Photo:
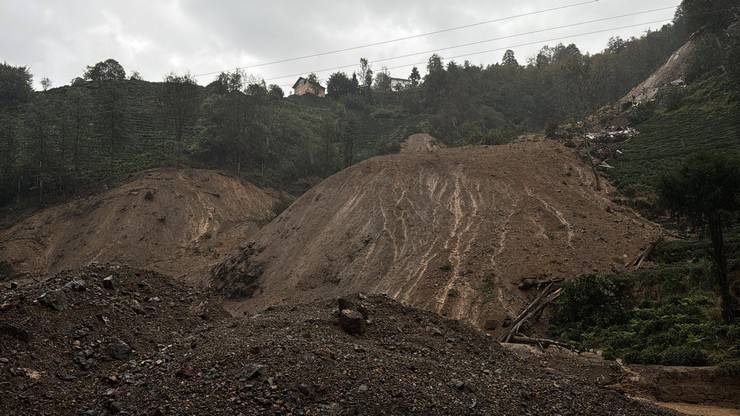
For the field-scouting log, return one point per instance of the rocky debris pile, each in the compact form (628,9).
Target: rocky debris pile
(612,135)
(149,347)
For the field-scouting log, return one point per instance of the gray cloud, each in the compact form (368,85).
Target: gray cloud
(58,39)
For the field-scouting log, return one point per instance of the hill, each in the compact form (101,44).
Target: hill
(174,221)
(454,231)
(141,344)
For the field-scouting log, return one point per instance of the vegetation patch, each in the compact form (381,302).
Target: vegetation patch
(668,315)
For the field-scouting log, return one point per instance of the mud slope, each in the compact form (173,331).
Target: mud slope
(452,231)
(177,222)
(674,69)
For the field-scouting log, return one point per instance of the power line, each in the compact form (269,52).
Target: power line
(471,54)
(603,19)
(385,42)
(459,56)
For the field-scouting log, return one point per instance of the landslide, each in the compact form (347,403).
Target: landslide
(454,231)
(175,221)
(130,342)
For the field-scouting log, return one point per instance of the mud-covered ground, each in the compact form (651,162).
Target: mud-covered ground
(136,343)
(452,231)
(176,221)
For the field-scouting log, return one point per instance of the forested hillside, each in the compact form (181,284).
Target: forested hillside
(105,125)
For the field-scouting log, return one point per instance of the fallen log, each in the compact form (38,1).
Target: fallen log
(514,324)
(637,262)
(541,342)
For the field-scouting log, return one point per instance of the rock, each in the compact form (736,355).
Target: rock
(25,372)
(363,388)
(83,360)
(435,331)
(250,372)
(109,282)
(14,285)
(118,350)
(15,331)
(136,306)
(458,384)
(352,322)
(54,299)
(185,371)
(344,303)
(4,360)
(75,284)
(527,284)
(490,325)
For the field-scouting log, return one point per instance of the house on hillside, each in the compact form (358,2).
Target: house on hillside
(305,86)
(399,83)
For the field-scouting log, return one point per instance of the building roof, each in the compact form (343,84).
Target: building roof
(315,84)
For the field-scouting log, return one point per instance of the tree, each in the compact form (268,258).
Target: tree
(383,81)
(509,58)
(415,77)
(274,92)
(733,56)
(712,15)
(15,86)
(78,113)
(366,76)
(339,85)
(706,190)
(135,76)
(45,83)
(108,70)
(179,100)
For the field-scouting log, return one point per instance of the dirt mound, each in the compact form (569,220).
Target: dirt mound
(453,231)
(137,343)
(420,142)
(178,222)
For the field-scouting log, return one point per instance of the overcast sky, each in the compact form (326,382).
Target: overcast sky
(57,39)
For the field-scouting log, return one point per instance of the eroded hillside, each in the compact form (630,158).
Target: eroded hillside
(177,222)
(454,231)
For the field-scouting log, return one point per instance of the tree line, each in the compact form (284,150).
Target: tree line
(108,123)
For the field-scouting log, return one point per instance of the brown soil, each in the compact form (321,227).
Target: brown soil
(452,231)
(178,222)
(183,356)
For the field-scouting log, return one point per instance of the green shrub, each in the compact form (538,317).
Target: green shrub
(670,97)
(665,315)
(641,112)
(591,301)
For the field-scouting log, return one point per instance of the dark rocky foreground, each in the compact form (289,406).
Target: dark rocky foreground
(112,340)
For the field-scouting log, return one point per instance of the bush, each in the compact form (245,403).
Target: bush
(666,315)
(591,301)
(707,56)
(670,97)
(641,112)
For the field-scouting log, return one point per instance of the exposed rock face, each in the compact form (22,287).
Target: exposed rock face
(453,231)
(177,222)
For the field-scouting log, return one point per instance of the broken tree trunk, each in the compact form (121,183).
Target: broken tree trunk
(637,262)
(546,297)
(542,342)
